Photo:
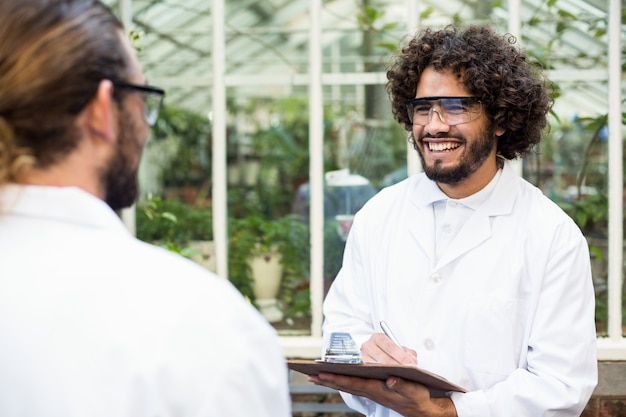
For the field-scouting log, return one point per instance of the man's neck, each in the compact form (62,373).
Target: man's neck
(476,182)
(62,175)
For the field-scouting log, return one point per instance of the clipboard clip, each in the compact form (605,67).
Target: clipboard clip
(342,349)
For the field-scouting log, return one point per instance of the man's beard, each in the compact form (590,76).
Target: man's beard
(120,178)
(476,153)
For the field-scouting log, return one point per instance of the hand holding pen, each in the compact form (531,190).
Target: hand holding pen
(379,349)
(389,333)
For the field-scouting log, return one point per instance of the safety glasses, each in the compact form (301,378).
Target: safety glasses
(451,110)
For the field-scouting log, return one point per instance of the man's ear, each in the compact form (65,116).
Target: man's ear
(98,114)
(499,131)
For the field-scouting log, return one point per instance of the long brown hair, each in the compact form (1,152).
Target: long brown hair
(53,54)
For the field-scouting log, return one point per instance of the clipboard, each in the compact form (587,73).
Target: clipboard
(437,385)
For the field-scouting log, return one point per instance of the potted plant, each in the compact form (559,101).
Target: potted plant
(268,259)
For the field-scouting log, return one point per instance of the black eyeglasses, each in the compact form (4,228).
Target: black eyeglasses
(152,99)
(451,110)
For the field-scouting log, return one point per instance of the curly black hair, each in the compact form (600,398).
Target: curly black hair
(514,92)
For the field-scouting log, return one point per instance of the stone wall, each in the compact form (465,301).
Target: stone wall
(609,397)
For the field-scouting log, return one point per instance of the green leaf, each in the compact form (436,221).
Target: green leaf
(534,21)
(373,14)
(595,123)
(135,37)
(389,26)
(426,12)
(566,14)
(597,252)
(388,45)
(582,218)
(169,216)
(189,252)
(556,116)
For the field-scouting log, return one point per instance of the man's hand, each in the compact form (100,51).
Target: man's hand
(407,398)
(410,399)
(381,349)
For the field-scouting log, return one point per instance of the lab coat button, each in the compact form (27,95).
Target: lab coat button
(429,344)
(436,277)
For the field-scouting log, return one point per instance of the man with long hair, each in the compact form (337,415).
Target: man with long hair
(94,322)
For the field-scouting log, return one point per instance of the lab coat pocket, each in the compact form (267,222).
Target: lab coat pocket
(495,329)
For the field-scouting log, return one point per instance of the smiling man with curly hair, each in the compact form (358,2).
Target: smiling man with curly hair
(480,275)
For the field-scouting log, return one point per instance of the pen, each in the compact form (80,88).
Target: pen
(388,332)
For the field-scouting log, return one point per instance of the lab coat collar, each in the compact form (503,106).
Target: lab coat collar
(425,192)
(69,205)
(475,231)
(502,198)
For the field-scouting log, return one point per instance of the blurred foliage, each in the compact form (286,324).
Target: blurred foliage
(190,136)
(255,236)
(172,222)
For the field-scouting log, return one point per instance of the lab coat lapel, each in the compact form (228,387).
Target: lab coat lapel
(473,233)
(478,227)
(422,222)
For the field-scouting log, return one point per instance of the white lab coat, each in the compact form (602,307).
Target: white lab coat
(95,323)
(507,312)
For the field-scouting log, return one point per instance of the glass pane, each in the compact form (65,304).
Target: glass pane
(571,168)
(174,209)
(268,162)
(266,38)
(174,47)
(368,148)
(367,155)
(572,165)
